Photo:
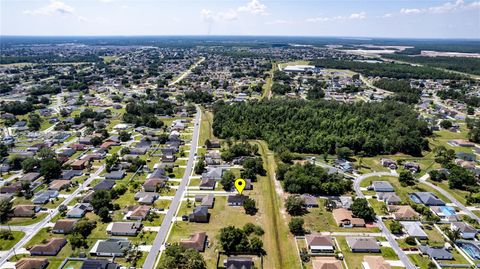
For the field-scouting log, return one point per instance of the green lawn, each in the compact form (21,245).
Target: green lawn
(321,220)
(354,260)
(26,221)
(420,261)
(8,244)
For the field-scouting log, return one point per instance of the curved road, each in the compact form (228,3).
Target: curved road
(445,193)
(35,228)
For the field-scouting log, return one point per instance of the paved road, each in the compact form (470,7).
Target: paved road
(34,228)
(171,213)
(445,193)
(391,240)
(184,75)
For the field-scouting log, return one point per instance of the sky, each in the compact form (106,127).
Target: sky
(352,18)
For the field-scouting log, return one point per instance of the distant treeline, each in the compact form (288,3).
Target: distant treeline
(401,88)
(323,126)
(391,70)
(461,64)
(48,58)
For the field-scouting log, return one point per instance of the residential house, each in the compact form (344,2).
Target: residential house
(213,173)
(236,200)
(382,186)
(146,198)
(59,184)
(64,226)
(196,241)
(466,231)
(137,212)
(375,262)
(207,184)
(105,184)
(390,198)
(414,229)
(363,244)
(326,263)
(79,210)
(205,200)
(112,247)
(426,198)
(30,177)
(99,264)
(412,167)
(124,228)
(404,212)
(32,263)
(239,263)
(199,214)
(436,253)
(25,211)
(69,174)
(115,175)
(51,248)
(344,218)
(388,163)
(318,243)
(13,188)
(309,201)
(153,184)
(42,197)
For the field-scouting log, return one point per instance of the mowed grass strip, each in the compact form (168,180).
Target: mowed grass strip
(279,243)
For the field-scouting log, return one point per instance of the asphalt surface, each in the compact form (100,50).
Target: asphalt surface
(171,213)
(32,230)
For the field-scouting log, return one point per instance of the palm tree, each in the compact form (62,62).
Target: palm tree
(453,235)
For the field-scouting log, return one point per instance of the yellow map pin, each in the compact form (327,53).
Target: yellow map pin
(240,185)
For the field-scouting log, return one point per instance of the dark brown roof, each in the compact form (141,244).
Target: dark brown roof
(65,224)
(54,245)
(31,263)
(195,241)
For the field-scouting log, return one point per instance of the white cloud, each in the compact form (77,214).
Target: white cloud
(55,7)
(254,7)
(387,15)
(354,16)
(207,15)
(410,11)
(445,8)
(228,15)
(358,16)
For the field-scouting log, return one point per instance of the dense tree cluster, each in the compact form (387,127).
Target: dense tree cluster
(461,64)
(143,113)
(199,97)
(322,126)
(361,209)
(391,70)
(17,108)
(178,257)
(473,126)
(313,179)
(239,150)
(237,240)
(401,88)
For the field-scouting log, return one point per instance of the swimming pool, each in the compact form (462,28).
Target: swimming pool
(471,249)
(448,211)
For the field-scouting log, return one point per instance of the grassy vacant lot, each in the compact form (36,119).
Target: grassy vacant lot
(26,221)
(420,261)
(221,216)
(403,191)
(206,131)
(354,260)
(8,244)
(321,220)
